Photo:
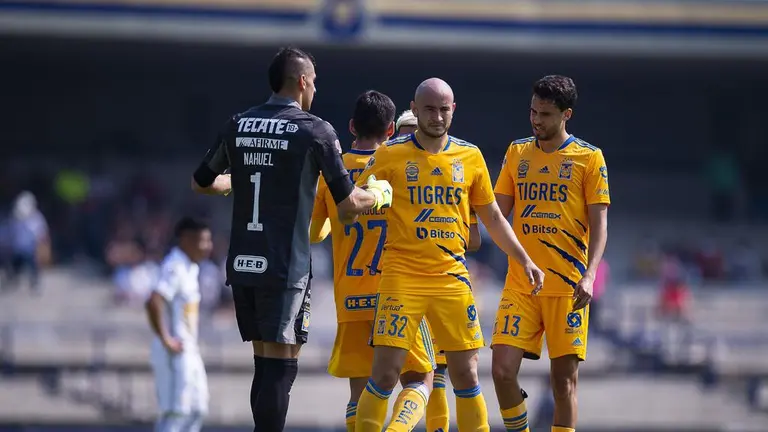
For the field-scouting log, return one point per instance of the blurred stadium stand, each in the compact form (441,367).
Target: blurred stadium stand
(109,105)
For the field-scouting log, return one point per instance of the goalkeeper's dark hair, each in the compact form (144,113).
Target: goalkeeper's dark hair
(374,112)
(558,89)
(288,63)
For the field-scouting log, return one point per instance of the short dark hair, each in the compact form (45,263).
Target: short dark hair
(558,89)
(374,112)
(189,225)
(288,62)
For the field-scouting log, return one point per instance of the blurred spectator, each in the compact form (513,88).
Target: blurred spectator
(601,281)
(28,239)
(134,274)
(746,263)
(710,261)
(724,182)
(646,263)
(674,297)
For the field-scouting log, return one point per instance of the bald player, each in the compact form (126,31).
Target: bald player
(425,273)
(438,411)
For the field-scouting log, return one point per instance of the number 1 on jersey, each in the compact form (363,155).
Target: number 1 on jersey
(254,224)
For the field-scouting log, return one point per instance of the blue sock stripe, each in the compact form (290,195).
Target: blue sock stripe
(468,393)
(439,381)
(516,419)
(440,370)
(376,391)
(516,424)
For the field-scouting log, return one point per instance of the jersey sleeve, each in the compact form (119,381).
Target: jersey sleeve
(482,189)
(376,166)
(596,189)
(318,230)
(505,184)
(472,217)
(326,151)
(168,282)
(216,160)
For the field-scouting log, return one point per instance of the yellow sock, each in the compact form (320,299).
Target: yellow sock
(372,408)
(351,416)
(438,414)
(516,419)
(562,429)
(471,412)
(409,408)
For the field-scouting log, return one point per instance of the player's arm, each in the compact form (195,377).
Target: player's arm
(474,233)
(209,177)
(157,303)
(597,196)
(350,200)
(484,203)
(320,226)
(505,187)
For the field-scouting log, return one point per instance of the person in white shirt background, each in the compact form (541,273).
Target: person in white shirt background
(27,236)
(173,312)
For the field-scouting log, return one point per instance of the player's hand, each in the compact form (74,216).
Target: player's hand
(535,276)
(582,294)
(173,345)
(382,190)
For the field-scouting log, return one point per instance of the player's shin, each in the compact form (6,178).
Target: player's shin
(471,411)
(437,408)
(409,407)
(271,408)
(372,408)
(258,372)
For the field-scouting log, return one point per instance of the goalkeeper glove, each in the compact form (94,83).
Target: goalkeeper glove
(382,190)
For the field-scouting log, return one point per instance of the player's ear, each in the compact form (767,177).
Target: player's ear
(352,128)
(391,129)
(302,82)
(567,114)
(453,107)
(414,110)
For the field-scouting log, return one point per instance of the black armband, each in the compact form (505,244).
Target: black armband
(204,176)
(341,188)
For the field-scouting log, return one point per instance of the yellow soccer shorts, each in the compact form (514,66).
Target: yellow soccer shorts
(352,355)
(439,353)
(522,320)
(453,318)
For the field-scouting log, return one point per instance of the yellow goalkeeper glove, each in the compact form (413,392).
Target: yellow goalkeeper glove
(382,190)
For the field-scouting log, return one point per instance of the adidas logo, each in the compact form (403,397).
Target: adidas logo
(577,342)
(437,172)
(544,170)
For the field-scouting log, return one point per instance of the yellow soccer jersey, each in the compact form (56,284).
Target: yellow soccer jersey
(428,223)
(357,248)
(552,192)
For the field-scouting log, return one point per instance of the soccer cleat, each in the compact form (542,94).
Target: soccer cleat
(382,190)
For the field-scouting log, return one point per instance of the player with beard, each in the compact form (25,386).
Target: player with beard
(438,411)
(558,186)
(425,272)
